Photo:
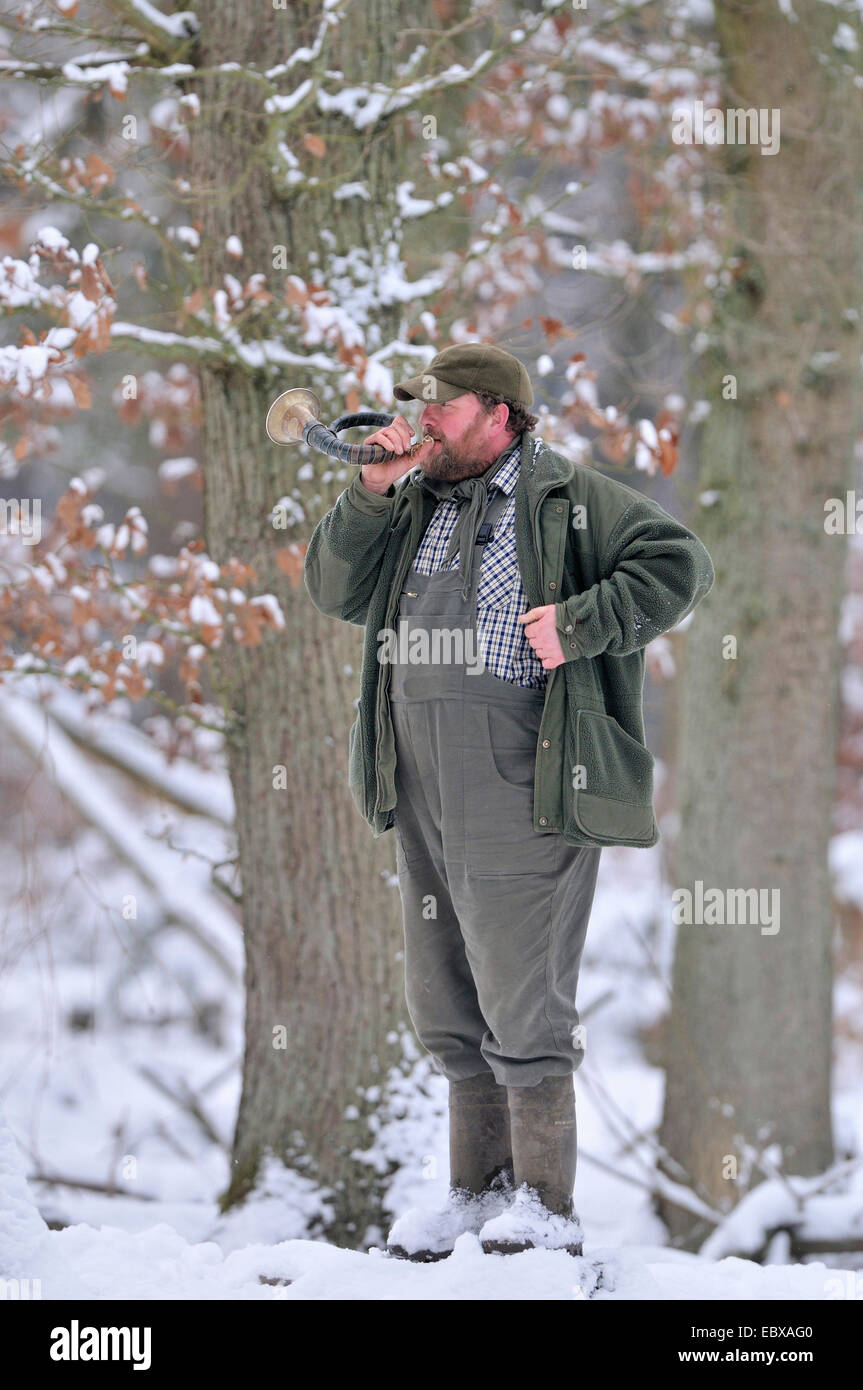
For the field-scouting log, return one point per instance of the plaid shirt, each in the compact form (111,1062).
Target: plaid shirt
(500,597)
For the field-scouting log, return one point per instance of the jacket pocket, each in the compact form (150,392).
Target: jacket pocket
(357,765)
(609,796)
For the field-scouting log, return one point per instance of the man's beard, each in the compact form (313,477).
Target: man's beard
(453,463)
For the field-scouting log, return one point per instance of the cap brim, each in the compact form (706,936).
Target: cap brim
(417,388)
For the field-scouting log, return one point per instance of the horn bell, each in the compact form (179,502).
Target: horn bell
(290,413)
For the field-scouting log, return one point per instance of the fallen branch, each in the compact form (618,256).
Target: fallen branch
(189,903)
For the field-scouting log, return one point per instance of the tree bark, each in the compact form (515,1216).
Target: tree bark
(749,1037)
(321,915)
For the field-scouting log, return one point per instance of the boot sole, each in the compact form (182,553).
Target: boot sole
(423,1257)
(508,1247)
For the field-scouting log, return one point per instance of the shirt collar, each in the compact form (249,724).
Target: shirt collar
(507,475)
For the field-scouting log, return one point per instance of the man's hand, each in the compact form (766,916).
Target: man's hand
(396,437)
(541,632)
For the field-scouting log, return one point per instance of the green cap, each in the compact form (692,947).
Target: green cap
(469,367)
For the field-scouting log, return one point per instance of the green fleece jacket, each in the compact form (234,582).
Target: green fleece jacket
(620,571)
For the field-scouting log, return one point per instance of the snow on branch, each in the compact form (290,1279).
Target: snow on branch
(619,261)
(117,741)
(364,105)
(55,608)
(814,1219)
(162,344)
(166,32)
(333,11)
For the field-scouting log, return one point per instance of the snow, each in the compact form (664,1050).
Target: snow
(189,236)
(179,1246)
(173,469)
(845,39)
(281,104)
(20,288)
(357,189)
(157,1262)
(364,106)
(409,206)
(115,74)
(846,866)
(525,1219)
(270,604)
(53,240)
(777,1204)
(182,25)
(203,611)
(183,342)
(27,367)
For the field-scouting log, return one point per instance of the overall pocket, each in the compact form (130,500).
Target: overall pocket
(499,769)
(512,736)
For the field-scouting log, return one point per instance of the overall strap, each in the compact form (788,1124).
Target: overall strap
(493,512)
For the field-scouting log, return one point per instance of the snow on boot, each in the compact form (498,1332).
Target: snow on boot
(527,1224)
(544,1148)
(480,1157)
(424,1236)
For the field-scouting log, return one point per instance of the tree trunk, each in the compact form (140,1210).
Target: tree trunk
(749,1037)
(321,914)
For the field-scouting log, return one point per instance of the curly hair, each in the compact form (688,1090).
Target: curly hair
(519,418)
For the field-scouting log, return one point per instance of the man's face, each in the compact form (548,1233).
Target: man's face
(467,438)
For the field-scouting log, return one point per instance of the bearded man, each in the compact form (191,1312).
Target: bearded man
(504,757)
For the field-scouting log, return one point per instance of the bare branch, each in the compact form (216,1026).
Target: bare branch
(186,1100)
(58,1180)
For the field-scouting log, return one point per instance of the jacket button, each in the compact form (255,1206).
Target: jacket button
(558,509)
(552,585)
(572,644)
(568,627)
(546,743)
(543,820)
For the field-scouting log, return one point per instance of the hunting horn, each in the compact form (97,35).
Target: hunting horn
(296,415)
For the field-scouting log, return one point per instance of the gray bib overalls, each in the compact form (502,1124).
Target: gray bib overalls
(495,915)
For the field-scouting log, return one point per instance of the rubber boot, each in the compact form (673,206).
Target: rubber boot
(481,1173)
(480,1145)
(544,1144)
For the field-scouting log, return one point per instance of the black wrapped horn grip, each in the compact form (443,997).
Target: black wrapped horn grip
(323,438)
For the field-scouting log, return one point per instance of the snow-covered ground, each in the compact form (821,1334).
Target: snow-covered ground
(111,1023)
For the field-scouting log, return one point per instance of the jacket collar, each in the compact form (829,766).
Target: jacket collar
(543,467)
